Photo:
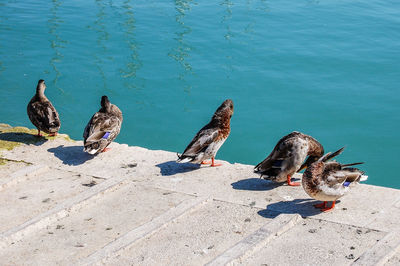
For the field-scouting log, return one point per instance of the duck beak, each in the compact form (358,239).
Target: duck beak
(304,166)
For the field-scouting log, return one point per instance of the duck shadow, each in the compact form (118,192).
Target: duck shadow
(22,137)
(71,155)
(304,207)
(254,184)
(172,168)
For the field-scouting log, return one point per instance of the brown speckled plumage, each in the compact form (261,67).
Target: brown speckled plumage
(42,113)
(328,181)
(210,138)
(107,120)
(288,155)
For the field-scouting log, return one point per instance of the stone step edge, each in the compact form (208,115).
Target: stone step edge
(23,174)
(257,240)
(382,251)
(115,247)
(59,211)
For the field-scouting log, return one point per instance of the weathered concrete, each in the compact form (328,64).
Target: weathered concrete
(137,206)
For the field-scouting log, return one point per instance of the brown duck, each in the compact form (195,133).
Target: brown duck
(103,127)
(42,113)
(210,138)
(288,156)
(328,181)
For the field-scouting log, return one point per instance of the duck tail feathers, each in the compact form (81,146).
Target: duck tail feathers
(183,159)
(351,164)
(330,155)
(90,150)
(363,178)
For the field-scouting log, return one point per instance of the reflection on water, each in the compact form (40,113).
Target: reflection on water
(56,43)
(134,63)
(2,28)
(103,36)
(226,20)
(182,51)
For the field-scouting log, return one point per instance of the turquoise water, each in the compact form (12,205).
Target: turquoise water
(330,69)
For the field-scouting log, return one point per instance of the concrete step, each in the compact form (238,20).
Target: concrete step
(316,242)
(117,246)
(195,238)
(22,174)
(382,251)
(80,233)
(257,240)
(59,211)
(8,167)
(36,190)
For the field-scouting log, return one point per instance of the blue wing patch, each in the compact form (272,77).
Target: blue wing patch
(106,135)
(346,184)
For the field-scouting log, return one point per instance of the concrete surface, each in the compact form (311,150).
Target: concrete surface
(134,206)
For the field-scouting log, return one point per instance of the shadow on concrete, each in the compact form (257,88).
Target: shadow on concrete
(71,155)
(172,168)
(304,207)
(22,137)
(254,184)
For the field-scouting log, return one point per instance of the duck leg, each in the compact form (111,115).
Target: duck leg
(328,209)
(321,205)
(38,134)
(290,183)
(106,149)
(213,164)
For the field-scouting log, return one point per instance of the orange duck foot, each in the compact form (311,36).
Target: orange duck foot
(328,209)
(205,162)
(321,205)
(106,149)
(53,134)
(213,164)
(290,183)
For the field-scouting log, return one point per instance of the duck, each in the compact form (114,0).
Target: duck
(103,128)
(288,156)
(42,113)
(329,181)
(209,139)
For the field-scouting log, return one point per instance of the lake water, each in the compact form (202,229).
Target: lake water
(330,69)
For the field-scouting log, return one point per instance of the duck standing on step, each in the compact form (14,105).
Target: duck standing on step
(288,156)
(42,113)
(103,127)
(210,138)
(328,181)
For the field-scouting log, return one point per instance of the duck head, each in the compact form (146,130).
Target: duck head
(105,104)
(41,87)
(224,113)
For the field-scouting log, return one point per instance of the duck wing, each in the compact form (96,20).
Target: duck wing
(334,174)
(102,126)
(281,152)
(44,116)
(201,141)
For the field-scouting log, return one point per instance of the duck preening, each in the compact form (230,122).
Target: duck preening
(42,113)
(328,181)
(288,156)
(103,127)
(210,138)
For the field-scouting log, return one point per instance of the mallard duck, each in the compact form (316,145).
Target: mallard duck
(328,181)
(42,113)
(103,127)
(210,138)
(287,157)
